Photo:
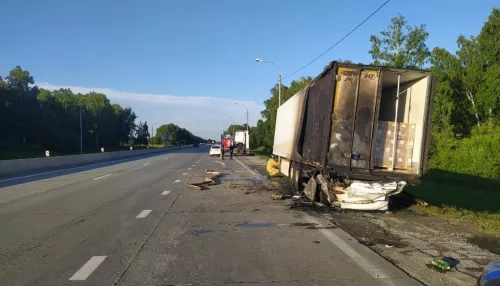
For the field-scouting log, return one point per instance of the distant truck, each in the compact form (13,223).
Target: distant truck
(359,127)
(226,141)
(241,143)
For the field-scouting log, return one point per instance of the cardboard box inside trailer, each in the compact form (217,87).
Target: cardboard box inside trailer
(409,131)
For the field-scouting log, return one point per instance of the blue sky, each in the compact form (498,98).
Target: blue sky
(187,62)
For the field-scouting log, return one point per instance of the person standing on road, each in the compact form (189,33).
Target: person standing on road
(231,149)
(222,152)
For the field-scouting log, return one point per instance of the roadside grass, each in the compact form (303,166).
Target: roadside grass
(262,152)
(461,198)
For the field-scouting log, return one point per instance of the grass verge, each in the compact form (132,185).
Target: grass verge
(262,152)
(485,222)
(462,198)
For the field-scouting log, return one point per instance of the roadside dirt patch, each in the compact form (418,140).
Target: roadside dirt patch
(411,241)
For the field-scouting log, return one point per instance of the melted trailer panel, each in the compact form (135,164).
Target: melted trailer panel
(346,90)
(317,119)
(361,153)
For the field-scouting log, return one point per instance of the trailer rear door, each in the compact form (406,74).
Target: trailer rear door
(354,115)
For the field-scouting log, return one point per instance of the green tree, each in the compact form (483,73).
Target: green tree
(179,135)
(233,128)
(33,119)
(401,45)
(271,107)
(488,67)
(467,91)
(142,133)
(466,104)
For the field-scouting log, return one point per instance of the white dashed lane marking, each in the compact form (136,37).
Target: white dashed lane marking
(98,178)
(143,214)
(164,193)
(145,164)
(184,174)
(176,181)
(88,268)
(189,169)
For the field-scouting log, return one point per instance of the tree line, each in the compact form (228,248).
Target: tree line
(466,107)
(178,135)
(33,120)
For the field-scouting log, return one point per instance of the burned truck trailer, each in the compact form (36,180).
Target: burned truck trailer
(357,122)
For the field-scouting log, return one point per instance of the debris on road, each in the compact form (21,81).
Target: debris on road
(441,263)
(202,185)
(207,182)
(315,241)
(366,241)
(351,194)
(278,196)
(214,174)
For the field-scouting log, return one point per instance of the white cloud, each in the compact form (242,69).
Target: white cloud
(203,116)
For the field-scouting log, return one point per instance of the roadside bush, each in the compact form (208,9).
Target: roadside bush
(478,154)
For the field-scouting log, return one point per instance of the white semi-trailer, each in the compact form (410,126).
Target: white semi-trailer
(366,125)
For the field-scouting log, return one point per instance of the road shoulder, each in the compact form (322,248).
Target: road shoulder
(408,239)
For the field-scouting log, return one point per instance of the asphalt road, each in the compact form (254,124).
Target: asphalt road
(137,223)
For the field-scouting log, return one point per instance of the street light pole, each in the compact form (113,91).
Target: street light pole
(279,84)
(279,77)
(81,132)
(152,131)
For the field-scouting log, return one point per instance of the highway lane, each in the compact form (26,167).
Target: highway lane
(137,223)
(66,218)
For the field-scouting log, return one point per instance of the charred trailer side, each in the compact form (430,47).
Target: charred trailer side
(359,122)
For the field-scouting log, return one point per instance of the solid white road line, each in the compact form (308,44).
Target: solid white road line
(88,268)
(176,181)
(372,269)
(143,214)
(258,176)
(98,178)
(145,164)
(164,193)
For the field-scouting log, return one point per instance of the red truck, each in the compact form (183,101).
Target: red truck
(226,142)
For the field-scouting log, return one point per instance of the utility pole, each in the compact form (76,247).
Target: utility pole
(247,120)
